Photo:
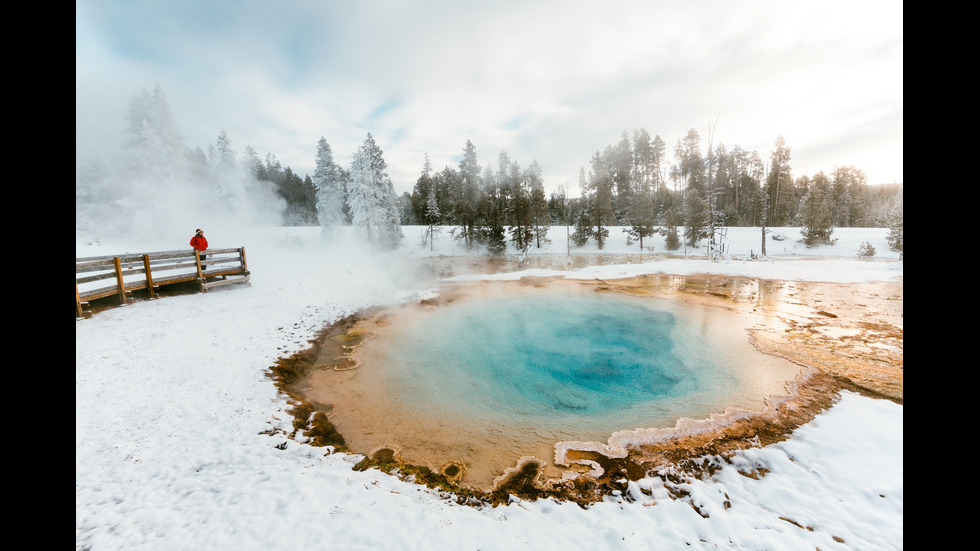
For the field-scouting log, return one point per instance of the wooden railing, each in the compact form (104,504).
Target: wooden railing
(100,277)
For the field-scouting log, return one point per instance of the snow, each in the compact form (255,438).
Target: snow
(177,447)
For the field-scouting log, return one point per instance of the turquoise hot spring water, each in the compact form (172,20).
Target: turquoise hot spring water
(506,373)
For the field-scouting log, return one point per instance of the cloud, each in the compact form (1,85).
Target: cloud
(544,80)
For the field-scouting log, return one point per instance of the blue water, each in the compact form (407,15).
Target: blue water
(510,371)
(551,356)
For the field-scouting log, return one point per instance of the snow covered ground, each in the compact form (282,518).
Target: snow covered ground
(176,444)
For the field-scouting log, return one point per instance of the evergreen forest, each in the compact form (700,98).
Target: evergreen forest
(640,183)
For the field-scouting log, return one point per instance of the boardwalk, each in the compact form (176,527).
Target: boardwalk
(101,277)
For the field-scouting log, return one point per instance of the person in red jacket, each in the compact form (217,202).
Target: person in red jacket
(200,243)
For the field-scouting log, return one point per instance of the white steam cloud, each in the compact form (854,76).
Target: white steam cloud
(157,190)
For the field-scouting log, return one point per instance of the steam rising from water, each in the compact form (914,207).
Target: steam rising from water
(113,199)
(156,188)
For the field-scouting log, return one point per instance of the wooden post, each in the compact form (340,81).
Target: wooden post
(200,274)
(109,267)
(119,280)
(78,303)
(149,276)
(241,253)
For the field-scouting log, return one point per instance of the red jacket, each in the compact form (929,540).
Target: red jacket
(199,243)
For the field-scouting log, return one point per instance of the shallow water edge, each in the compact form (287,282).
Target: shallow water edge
(862,322)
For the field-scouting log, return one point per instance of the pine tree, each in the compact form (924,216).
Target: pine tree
(492,231)
(599,189)
(519,210)
(299,206)
(221,157)
(697,218)
(782,196)
(390,227)
(157,166)
(673,241)
(620,165)
(329,185)
(150,119)
(421,190)
(641,212)
(583,229)
(658,166)
(896,225)
(432,208)
(253,164)
(849,196)
(467,194)
(642,218)
(540,214)
(644,167)
(692,170)
(231,180)
(432,215)
(371,194)
(817,213)
(690,163)
(158,153)
(558,207)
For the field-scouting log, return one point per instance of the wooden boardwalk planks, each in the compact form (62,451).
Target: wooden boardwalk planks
(100,277)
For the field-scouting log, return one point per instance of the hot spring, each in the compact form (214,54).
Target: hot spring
(509,371)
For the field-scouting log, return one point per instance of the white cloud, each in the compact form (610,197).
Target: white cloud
(543,80)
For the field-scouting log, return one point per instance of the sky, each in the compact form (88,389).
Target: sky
(551,81)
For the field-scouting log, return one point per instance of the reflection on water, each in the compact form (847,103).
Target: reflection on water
(510,370)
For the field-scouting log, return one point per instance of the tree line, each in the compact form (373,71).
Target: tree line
(683,194)
(638,183)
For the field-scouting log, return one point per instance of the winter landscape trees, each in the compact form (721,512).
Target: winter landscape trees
(371,196)
(328,180)
(155,180)
(634,183)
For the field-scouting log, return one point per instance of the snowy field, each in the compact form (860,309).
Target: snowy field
(179,439)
